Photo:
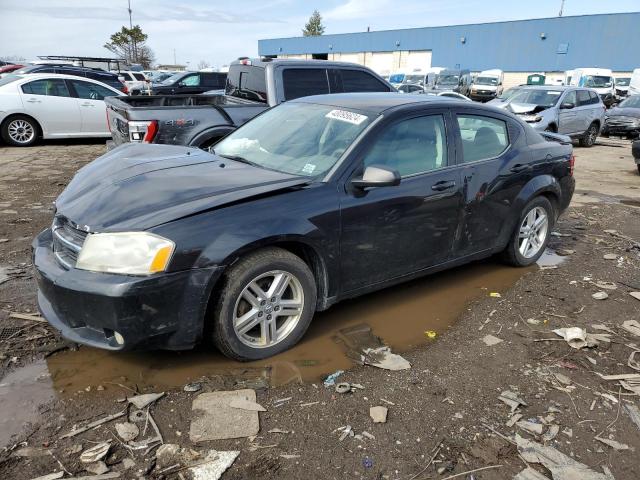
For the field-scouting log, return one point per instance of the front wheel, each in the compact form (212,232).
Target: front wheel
(265,306)
(531,236)
(589,137)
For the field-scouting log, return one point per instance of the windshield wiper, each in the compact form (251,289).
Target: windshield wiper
(237,158)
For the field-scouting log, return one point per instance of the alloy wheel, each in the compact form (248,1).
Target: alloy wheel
(21,131)
(593,134)
(533,232)
(268,309)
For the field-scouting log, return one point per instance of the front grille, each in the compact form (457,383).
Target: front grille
(622,121)
(67,241)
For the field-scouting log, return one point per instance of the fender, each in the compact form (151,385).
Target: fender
(543,184)
(209,133)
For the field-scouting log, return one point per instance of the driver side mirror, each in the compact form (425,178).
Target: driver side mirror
(567,106)
(377,176)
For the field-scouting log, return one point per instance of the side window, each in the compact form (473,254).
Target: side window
(91,91)
(482,137)
(360,81)
(594,98)
(191,81)
(570,98)
(302,82)
(53,88)
(411,146)
(583,97)
(139,77)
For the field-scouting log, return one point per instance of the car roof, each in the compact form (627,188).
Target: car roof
(376,102)
(37,76)
(263,62)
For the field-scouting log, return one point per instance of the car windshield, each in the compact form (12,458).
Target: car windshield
(397,78)
(623,82)
(296,138)
(507,94)
(631,102)
(597,81)
(486,81)
(414,79)
(541,98)
(448,79)
(173,78)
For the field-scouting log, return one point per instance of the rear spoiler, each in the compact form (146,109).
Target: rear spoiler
(556,137)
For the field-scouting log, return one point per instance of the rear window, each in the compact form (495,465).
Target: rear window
(213,80)
(246,81)
(360,81)
(139,76)
(303,82)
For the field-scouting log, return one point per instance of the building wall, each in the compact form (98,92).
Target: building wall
(607,41)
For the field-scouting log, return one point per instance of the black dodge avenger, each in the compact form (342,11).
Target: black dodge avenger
(314,201)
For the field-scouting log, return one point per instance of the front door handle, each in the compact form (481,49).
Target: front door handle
(443,185)
(520,168)
(34,100)
(87,104)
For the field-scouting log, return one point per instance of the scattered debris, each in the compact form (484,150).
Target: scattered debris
(127,431)
(490,340)
(192,387)
(51,476)
(383,357)
(635,295)
(495,295)
(91,425)
(561,466)
(141,401)
(95,453)
(215,419)
(378,414)
(613,444)
(343,387)
(601,295)
(514,418)
(278,430)
(244,404)
(634,413)
(632,326)
(331,379)
(610,256)
(531,427)
(530,474)
(551,433)
(565,252)
(632,362)
(97,468)
(214,465)
(511,399)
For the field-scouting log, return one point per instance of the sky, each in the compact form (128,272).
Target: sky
(217,32)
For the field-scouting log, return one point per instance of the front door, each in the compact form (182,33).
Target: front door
(51,104)
(389,232)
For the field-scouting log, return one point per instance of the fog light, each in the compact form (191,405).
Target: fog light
(119,338)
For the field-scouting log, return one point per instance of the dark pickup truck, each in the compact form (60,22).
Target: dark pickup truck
(253,85)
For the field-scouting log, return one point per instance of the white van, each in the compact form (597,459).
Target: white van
(487,85)
(599,79)
(634,84)
(422,77)
(568,76)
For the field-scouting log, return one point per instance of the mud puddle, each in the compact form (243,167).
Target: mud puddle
(399,316)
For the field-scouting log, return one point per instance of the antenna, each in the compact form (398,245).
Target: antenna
(561,8)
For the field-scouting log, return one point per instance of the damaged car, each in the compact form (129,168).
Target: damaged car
(576,112)
(314,201)
(624,119)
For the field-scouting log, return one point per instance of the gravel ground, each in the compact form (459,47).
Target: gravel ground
(445,407)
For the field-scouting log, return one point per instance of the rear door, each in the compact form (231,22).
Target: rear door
(90,99)
(390,232)
(584,110)
(493,172)
(50,102)
(358,81)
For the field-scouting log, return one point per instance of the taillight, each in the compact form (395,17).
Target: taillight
(143,131)
(572,162)
(124,89)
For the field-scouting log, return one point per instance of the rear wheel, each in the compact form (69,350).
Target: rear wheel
(551,128)
(531,236)
(265,306)
(20,131)
(589,137)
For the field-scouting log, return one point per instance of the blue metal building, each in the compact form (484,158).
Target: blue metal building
(547,44)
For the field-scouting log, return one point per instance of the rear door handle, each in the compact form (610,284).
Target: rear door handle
(87,104)
(520,168)
(443,185)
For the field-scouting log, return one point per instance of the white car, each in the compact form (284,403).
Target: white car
(48,105)
(135,81)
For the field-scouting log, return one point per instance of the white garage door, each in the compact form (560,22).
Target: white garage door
(349,57)
(382,63)
(416,60)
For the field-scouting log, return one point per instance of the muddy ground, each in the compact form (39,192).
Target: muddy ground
(445,407)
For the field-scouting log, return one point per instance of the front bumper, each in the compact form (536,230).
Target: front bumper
(484,96)
(621,130)
(160,311)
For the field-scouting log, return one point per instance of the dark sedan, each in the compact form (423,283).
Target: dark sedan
(314,201)
(624,119)
(189,83)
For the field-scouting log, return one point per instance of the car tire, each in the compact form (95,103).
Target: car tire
(589,137)
(515,254)
(260,268)
(20,131)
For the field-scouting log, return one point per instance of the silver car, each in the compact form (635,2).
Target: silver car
(573,111)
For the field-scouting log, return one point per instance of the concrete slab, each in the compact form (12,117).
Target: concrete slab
(215,419)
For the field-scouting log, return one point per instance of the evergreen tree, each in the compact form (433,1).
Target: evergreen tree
(314,26)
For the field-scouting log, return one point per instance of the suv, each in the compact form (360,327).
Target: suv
(98,74)
(190,83)
(573,111)
(453,80)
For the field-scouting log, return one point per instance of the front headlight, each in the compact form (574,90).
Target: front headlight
(131,253)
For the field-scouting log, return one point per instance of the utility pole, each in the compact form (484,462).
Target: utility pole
(561,8)
(134,47)
(174,57)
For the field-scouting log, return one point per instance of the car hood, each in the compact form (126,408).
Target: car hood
(622,111)
(139,186)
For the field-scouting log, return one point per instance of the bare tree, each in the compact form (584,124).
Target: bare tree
(202,64)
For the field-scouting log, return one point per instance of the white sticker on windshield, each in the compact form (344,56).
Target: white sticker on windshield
(308,168)
(346,116)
